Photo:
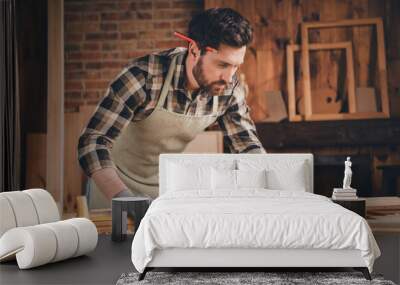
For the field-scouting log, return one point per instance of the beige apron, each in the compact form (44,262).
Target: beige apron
(137,149)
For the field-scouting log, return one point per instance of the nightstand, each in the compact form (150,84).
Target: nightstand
(120,207)
(356,205)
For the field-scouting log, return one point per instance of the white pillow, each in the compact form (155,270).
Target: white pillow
(282,174)
(204,162)
(189,174)
(183,177)
(251,178)
(223,179)
(236,179)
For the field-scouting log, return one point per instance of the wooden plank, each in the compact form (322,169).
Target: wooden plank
(270,29)
(383,214)
(346,116)
(288,15)
(265,81)
(343,11)
(82,208)
(342,23)
(328,73)
(72,172)
(394,83)
(384,209)
(250,71)
(392,24)
(55,103)
(74,177)
(351,86)
(382,68)
(323,46)
(305,67)
(362,43)
(291,84)
(382,202)
(365,99)
(312,134)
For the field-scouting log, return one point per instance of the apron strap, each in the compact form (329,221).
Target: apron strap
(167,83)
(215,105)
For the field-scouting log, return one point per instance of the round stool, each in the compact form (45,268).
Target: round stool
(120,208)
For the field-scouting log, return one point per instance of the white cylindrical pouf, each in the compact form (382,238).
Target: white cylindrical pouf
(23,208)
(45,205)
(87,234)
(66,237)
(7,218)
(36,245)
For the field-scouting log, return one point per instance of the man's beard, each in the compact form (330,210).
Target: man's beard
(214,88)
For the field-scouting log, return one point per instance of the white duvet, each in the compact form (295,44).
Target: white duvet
(253,218)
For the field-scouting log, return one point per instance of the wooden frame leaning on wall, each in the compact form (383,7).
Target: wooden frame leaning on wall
(305,67)
(350,81)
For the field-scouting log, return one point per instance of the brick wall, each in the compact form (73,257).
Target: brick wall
(101,36)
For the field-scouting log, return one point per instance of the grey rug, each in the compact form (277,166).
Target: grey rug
(230,278)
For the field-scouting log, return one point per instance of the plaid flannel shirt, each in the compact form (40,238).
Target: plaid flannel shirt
(133,95)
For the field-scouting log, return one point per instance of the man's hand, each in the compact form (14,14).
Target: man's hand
(108,181)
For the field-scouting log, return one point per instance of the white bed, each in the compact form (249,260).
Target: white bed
(249,227)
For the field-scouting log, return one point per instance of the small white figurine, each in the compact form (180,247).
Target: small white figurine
(347,174)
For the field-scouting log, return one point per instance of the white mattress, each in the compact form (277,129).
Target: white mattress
(252,218)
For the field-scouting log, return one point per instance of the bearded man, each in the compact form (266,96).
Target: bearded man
(161,101)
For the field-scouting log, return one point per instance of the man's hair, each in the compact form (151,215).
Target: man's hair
(217,26)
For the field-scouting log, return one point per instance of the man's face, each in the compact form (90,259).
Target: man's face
(214,70)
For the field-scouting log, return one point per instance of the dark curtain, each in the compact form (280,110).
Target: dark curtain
(9,99)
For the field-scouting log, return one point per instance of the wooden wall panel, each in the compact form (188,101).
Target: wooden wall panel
(35,161)
(276,23)
(31,17)
(362,44)
(55,101)
(74,180)
(392,26)
(72,172)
